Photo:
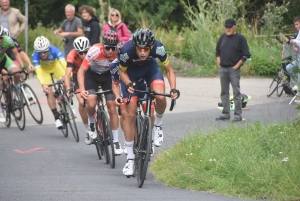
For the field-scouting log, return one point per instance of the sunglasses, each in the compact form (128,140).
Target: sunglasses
(110,47)
(44,52)
(145,49)
(82,53)
(114,15)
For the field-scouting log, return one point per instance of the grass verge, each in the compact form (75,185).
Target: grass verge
(256,161)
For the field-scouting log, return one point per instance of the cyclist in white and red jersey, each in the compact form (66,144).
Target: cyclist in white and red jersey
(74,60)
(94,71)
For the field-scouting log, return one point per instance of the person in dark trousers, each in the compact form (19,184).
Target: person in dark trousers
(232,51)
(91,24)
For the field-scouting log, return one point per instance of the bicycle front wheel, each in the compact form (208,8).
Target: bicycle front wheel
(6,109)
(279,89)
(273,86)
(63,117)
(32,103)
(109,150)
(71,119)
(17,107)
(143,154)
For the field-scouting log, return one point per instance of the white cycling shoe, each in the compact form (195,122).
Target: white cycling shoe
(158,135)
(2,117)
(118,149)
(58,124)
(92,131)
(128,169)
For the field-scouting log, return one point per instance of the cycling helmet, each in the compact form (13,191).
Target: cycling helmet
(2,33)
(110,38)
(41,44)
(143,38)
(6,32)
(81,44)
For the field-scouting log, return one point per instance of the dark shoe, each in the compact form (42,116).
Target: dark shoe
(237,119)
(222,118)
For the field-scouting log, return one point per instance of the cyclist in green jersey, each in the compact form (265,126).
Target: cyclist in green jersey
(6,64)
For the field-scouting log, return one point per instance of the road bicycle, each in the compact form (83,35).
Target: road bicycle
(66,114)
(104,141)
(12,102)
(31,101)
(143,137)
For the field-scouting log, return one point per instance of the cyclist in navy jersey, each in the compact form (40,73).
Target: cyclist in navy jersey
(137,60)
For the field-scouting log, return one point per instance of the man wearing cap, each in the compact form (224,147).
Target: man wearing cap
(232,51)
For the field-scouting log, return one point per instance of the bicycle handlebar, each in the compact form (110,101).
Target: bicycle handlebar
(58,82)
(96,93)
(153,93)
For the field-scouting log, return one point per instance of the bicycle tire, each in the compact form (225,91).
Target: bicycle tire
(6,110)
(279,89)
(273,85)
(62,117)
(109,150)
(37,114)
(143,154)
(17,107)
(71,119)
(99,141)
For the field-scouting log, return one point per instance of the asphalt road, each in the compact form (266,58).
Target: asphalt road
(40,164)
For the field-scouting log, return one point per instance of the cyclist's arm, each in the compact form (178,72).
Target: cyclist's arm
(63,63)
(116,89)
(67,77)
(124,76)
(18,57)
(25,57)
(170,75)
(80,77)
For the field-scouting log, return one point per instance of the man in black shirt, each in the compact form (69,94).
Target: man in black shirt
(232,51)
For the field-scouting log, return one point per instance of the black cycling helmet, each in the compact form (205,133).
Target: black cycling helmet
(143,38)
(110,38)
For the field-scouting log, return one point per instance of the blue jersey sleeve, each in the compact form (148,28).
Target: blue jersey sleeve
(56,53)
(35,59)
(114,71)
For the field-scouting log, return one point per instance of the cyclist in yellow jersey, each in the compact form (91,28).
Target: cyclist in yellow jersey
(48,59)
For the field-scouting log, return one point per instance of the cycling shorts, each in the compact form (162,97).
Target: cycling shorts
(7,64)
(149,72)
(93,80)
(44,75)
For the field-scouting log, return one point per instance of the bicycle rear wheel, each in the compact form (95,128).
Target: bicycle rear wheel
(71,119)
(32,103)
(143,154)
(63,117)
(99,140)
(17,107)
(6,111)
(109,150)
(273,86)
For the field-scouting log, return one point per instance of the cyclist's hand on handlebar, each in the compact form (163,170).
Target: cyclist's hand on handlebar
(69,92)
(45,89)
(119,101)
(30,68)
(175,93)
(129,87)
(84,94)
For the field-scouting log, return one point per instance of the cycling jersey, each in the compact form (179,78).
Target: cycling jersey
(10,53)
(114,71)
(96,60)
(7,43)
(54,64)
(129,57)
(74,61)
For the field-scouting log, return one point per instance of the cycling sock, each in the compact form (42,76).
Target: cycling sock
(91,119)
(55,113)
(115,135)
(129,147)
(86,128)
(158,119)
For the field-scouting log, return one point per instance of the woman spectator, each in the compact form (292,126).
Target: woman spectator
(91,24)
(115,23)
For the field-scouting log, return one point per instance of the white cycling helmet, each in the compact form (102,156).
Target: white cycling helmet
(6,32)
(81,44)
(41,44)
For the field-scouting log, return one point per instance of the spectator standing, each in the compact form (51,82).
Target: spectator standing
(91,24)
(70,29)
(12,19)
(115,23)
(232,51)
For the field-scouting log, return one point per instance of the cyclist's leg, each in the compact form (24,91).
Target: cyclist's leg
(91,85)
(289,68)
(156,81)
(106,84)
(81,109)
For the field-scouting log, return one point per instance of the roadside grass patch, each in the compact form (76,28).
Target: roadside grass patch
(256,161)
